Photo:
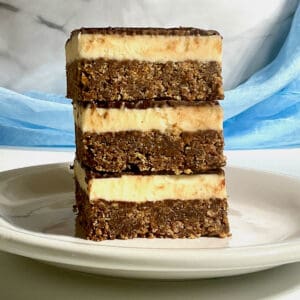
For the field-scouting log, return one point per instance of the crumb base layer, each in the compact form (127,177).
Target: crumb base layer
(129,80)
(107,220)
(151,151)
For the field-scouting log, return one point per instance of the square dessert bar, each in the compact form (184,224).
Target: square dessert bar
(113,64)
(162,206)
(149,132)
(152,136)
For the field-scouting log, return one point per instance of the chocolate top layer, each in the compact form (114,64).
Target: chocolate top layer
(144,104)
(91,173)
(181,31)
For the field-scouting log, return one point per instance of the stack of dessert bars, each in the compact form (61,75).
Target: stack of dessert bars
(149,139)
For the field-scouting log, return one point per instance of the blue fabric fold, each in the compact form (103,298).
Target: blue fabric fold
(271,123)
(35,119)
(263,112)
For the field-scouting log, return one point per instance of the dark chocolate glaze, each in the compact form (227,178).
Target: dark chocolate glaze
(144,104)
(180,31)
(90,173)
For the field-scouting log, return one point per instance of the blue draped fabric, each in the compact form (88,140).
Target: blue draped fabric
(264,112)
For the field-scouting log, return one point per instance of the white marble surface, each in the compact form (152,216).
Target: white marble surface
(33,33)
(23,278)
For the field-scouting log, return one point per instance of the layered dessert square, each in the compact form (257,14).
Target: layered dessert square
(149,132)
(155,136)
(114,64)
(148,206)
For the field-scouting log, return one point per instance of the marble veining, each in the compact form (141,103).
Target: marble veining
(32,37)
(50,24)
(9,7)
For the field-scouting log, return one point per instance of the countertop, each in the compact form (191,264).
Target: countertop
(23,278)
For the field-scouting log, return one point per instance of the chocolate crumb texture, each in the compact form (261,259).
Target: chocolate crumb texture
(125,80)
(151,151)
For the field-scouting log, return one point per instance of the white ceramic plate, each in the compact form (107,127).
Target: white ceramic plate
(37,221)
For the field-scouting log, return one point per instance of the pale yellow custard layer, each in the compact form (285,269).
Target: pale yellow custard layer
(152,48)
(138,188)
(164,119)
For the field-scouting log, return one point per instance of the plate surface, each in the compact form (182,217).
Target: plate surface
(37,221)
